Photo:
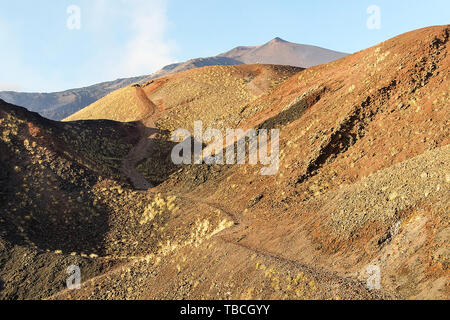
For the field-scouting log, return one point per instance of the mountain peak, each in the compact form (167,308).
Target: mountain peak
(277,40)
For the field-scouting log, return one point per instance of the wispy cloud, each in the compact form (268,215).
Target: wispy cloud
(146,47)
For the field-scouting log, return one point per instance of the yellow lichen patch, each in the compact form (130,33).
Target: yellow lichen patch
(158,206)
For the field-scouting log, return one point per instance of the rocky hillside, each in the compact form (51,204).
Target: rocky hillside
(59,105)
(363,180)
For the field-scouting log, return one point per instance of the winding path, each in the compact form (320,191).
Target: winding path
(144,148)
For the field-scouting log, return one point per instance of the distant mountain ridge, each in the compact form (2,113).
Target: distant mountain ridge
(279,51)
(60,105)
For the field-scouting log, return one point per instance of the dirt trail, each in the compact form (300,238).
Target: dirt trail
(357,287)
(354,287)
(144,147)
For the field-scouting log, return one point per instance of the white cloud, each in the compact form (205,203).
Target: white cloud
(147,50)
(120,38)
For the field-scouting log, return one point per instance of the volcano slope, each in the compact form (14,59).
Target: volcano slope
(212,94)
(64,202)
(364,181)
(215,95)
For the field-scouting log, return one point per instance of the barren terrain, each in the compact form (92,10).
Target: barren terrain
(364,180)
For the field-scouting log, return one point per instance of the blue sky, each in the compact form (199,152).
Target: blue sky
(122,38)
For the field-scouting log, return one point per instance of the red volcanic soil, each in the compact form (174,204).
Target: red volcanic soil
(363,181)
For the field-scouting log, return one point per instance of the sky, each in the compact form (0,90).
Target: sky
(54,45)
